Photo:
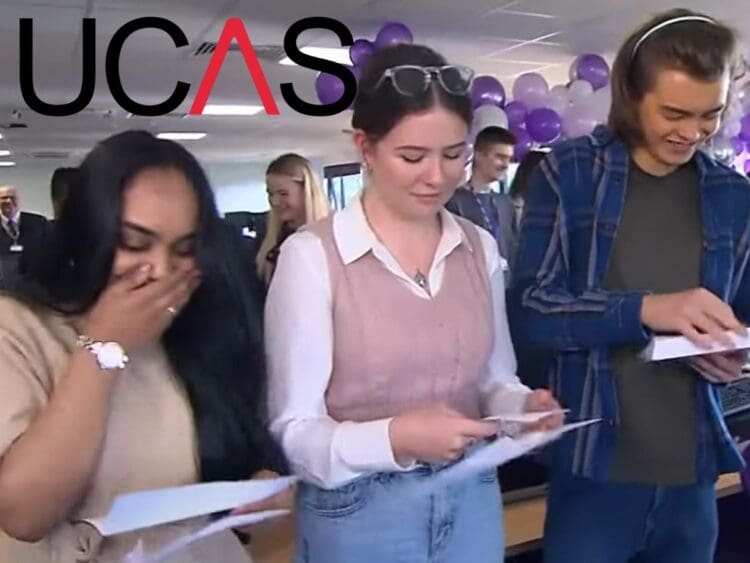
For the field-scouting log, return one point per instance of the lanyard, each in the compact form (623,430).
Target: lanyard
(490,225)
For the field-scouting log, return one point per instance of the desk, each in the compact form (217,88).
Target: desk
(524,526)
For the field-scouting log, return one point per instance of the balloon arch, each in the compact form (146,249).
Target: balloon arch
(541,115)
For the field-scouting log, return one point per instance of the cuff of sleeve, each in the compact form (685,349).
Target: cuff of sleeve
(506,399)
(366,446)
(629,323)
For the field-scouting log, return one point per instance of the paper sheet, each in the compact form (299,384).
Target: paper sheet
(501,451)
(525,417)
(136,511)
(672,347)
(139,556)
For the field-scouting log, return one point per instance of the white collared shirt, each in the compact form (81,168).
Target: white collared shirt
(299,336)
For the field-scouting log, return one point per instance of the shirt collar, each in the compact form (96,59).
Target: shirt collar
(354,237)
(16,218)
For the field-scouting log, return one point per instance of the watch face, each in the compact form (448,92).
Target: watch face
(111,355)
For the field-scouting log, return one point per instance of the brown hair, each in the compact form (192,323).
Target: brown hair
(705,50)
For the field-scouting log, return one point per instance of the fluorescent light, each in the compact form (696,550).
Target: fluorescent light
(229,109)
(4,153)
(181,136)
(7,163)
(335,54)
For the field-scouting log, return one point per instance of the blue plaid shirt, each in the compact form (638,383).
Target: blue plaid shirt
(571,213)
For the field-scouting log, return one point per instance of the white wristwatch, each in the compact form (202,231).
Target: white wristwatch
(109,355)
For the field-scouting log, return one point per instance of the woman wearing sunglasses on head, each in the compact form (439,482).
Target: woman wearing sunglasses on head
(387,338)
(131,361)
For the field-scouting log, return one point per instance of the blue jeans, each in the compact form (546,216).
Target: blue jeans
(601,522)
(384,518)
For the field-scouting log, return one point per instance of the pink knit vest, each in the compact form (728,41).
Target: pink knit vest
(395,351)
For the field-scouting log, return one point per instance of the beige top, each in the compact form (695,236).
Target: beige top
(150,441)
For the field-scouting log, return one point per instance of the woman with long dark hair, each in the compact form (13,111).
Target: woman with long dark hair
(131,360)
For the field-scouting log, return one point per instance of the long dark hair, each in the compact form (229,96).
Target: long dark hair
(377,112)
(215,344)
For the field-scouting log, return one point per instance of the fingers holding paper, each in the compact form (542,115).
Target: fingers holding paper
(542,400)
(720,368)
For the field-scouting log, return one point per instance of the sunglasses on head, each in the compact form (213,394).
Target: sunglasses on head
(413,80)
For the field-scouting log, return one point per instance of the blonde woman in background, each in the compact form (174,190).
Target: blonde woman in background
(296,199)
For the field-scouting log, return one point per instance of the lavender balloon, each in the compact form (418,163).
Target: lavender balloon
(328,88)
(593,69)
(738,145)
(516,113)
(531,89)
(579,92)
(544,125)
(393,33)
(557,99)
(747,172)
(360,50)
(487,90)
(579,121)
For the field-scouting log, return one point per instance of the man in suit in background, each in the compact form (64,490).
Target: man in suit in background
(21,235)
(493,151)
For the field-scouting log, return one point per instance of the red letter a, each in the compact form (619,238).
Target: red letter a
(234,29)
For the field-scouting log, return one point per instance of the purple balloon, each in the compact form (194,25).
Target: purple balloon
(745,131)
(516,113)
(738,145)
(593,69)
(487,90)
(524,144)
(544,125)
(747,172)
(393,33)
(360,50)
(531,88)
(328,88)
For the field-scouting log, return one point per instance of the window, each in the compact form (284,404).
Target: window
(343,182)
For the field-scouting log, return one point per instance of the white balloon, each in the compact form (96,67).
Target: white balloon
(489,116)
(579,91)
(731,128)
(602,101)
(557,99)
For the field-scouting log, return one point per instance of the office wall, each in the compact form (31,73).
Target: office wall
(238,186)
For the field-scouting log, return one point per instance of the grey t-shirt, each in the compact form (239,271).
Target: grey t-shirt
(658,248)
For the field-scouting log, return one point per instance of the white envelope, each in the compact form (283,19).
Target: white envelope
(525,417)
(673,347)
(136,511)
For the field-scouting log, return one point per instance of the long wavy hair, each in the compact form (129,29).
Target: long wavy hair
(316,204)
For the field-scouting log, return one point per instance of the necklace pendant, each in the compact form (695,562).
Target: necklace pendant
(420,279)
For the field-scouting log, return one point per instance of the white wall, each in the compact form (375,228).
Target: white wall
(238,186)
